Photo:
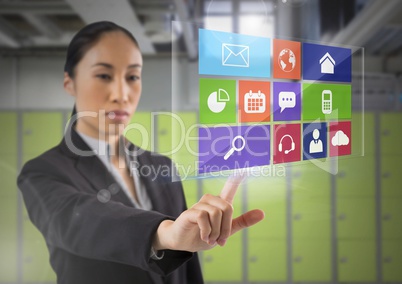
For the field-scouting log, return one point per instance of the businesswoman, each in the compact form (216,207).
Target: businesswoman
(105,221)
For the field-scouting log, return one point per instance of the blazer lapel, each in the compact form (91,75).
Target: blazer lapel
(92,169)
(156,188)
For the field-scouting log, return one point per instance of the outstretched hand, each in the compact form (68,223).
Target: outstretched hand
(208,223)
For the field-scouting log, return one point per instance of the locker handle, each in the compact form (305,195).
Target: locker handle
(297,217)
(253,258)
(341,217)
(297,174)
(341,174)
(298,259)
(344,259)
(388,259)
(386,132)
(386,175)
(208,258)
(386,217)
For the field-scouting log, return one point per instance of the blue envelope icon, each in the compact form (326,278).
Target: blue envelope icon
(231,54)
(235,55)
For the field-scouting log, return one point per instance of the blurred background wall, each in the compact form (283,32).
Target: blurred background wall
(319,227)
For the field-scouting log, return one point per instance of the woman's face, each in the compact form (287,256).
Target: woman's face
(106,85)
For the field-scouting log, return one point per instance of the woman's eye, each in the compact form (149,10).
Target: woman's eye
(133,78)
(104,77)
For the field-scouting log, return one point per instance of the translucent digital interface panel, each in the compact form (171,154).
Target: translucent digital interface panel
(264,101)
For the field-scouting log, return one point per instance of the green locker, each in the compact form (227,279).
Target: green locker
(41,131)
(390,133)
(186,165)
(9,127)
(356,218)
(185,133)
(309,180)
(8,237)
(269,195)
(391,178)
(311,224)
(190,192)
(311,218)
(224,263)
(357,261)
(8,175)
(174,133)
(392,260)
(366,126)
(391,218)
(8,218)
(140,130)
(8,259)
(8,196)
(311,260)
(36,266)
(8,154)
(267,260)
(164,134)
(356,177)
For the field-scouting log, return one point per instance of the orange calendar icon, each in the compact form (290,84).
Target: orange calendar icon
(254,102)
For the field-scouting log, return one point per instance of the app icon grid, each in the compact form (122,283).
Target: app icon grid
(308,92)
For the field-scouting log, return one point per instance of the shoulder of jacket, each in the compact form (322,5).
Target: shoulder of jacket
(48,161)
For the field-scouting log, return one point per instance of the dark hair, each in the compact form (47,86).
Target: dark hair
(87,37)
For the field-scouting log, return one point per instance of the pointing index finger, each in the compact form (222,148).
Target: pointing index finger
(229,189)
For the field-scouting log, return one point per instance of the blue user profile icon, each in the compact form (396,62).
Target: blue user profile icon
(223,148)
(314,140)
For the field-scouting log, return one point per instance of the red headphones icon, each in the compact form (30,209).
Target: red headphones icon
(293,146)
